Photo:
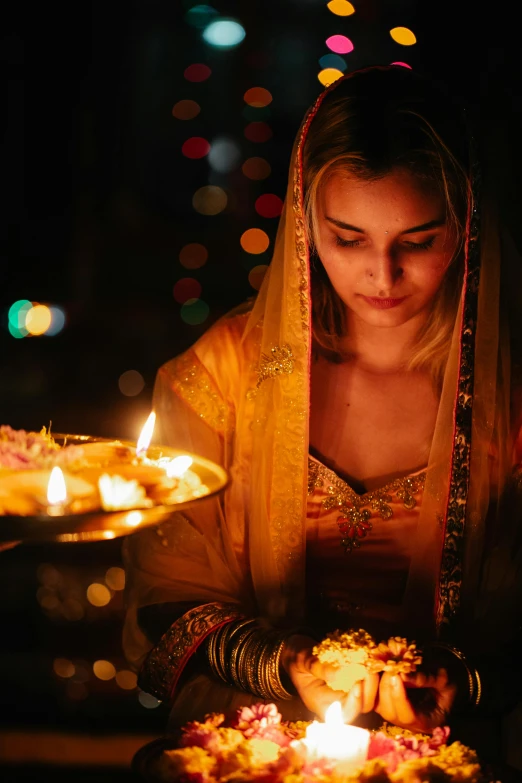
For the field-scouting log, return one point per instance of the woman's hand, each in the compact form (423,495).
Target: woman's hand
(419,701)
(309,678)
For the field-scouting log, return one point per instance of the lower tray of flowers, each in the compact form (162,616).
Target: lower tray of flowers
(256,745)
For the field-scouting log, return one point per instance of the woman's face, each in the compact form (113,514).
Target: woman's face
(385,245)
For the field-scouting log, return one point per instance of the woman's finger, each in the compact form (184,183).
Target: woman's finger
(403,708)
(385,703)
(370,687)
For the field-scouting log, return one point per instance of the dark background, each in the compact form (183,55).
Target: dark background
(97,207)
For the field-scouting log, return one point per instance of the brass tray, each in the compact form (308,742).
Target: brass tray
(101,525)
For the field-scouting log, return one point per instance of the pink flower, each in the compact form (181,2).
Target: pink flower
(262,721)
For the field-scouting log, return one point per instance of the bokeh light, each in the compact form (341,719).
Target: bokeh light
(258,97)
(339,44)
(257,275)
(126,680)
(115,578)
(98,594)
(340,7)
(38,319)
(403,36)
(72,610)
(404,65)
(186,110)
(104,670)
(16,317)
(148,701)
(185,289)
(194,312)
(258,132)
(63,668)
(256,168)
(57,321)
(224,155)
(333,61)
(131,383)
(224,33)
(48,575)
(269,205)
(329,75)
(195,147)
(193,255)
(197,72)
(254,240)
(200,16)
(209,200)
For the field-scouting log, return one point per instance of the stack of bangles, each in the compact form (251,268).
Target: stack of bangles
(474,681)
(247,656)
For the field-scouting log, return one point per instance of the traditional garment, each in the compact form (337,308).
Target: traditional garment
(440,550)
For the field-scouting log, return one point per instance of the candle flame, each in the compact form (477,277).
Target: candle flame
(146,434)
(56,489)
(178,466)
(333,716)
(334,739)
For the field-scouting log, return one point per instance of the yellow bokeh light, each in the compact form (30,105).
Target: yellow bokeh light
(126,680)
(63,668)
(254,240)
(340,7)
(403,36)
(329,75)
(98,594)
(257,275)
(104,670)
(209,200)
(115,578)
(38,319)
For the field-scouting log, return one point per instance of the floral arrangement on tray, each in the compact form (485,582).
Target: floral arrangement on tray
(94,474)
(257,745)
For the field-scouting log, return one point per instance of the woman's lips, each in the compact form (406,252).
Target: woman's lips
(383,303)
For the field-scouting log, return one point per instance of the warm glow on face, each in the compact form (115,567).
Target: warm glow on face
(56,489)
(178,466)
(146,434)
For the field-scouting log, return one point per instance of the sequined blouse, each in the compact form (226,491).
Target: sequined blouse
(359,549)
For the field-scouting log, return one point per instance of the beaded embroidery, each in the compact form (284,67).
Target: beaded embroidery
(357,510)
(279,361)
(193,383)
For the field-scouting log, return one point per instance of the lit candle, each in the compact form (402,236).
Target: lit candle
(117,493)
(146,435)
(56,493)
(176,467)
(346,745)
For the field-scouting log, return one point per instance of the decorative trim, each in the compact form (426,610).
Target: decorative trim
(278,362)
(357,510)
(164,665)
(194,384)
(450,580)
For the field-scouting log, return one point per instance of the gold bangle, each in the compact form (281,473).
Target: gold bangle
(475,691)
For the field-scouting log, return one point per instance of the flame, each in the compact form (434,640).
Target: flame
(333,716)
(178,466)
(56,489)
(334,739)
(146,434)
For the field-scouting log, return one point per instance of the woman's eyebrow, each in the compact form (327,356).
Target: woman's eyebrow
(422,227)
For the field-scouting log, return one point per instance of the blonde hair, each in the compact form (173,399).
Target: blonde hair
(369,125)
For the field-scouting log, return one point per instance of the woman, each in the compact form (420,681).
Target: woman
(362,405)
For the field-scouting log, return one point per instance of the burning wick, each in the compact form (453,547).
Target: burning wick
(56,493)
(178,466)
(146,435)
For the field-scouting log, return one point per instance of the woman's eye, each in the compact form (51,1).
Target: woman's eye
(421,245)
(347,242)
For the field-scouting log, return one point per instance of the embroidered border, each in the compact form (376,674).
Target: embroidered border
(194,384)
(354,522)
(450,579)
(164,665)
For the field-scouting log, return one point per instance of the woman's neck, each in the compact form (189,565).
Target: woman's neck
(381,350)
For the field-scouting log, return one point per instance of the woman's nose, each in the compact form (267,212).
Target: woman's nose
(385,271)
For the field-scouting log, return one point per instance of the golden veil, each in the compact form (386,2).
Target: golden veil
(240,396)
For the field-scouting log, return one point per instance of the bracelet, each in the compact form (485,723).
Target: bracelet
(248,657)
(474,680)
